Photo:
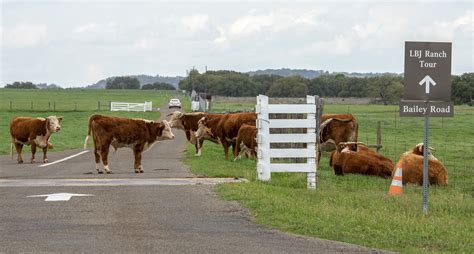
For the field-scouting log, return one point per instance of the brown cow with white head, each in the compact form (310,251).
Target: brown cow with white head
(188,122)
(35,132)
(356,158)
(411,163)
(136,134)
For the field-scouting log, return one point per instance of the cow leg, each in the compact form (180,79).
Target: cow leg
(138,160)
(33,152)
(226,148)
(18,148)
(104,152)
(198,146)
(97,160)
(237,151)
(45,157)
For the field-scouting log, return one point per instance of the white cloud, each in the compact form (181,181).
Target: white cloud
(194,23)
(445,30)
(273,21)
(24,34)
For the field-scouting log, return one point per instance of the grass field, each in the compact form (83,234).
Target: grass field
(355,208)
(75,105)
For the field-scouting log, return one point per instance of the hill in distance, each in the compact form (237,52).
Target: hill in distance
(310,74)
(144,79)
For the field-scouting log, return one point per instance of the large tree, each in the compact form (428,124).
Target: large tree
(124,82)
(21,85)
(294,86)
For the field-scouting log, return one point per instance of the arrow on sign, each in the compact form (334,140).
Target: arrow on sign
(427,80)
(60,196)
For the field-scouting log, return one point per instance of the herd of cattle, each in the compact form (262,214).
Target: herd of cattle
(236,130)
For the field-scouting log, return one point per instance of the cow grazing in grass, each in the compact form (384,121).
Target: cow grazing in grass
(35,132)
(225,128)
(188,122)
(411,163)
(246,141)
(353,157)
(136,134)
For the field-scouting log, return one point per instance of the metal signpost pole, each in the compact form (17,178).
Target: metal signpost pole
(425,164)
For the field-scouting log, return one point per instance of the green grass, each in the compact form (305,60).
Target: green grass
(75,105)
(355,208)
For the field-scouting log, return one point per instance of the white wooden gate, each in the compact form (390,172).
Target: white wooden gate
(126,106)
(265,166)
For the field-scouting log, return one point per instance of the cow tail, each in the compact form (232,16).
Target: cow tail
(89,129)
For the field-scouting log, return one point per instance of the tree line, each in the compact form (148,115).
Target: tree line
(387,88)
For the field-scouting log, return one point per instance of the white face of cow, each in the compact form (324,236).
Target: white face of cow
(53,123)
(203,131)
(167,133)
(176,120)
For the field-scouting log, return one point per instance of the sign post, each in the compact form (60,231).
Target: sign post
(427,90)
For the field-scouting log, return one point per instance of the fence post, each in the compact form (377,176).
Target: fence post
(54,106)
(75,106)
(379,135)
(263,140)
(110,105)
(11,105)
(98,106)
(311,176)
(49,105)
(31,105)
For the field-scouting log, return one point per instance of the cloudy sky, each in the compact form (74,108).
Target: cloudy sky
(77,43)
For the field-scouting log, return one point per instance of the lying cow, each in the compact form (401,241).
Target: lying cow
(411,163)
(34,132)
(353,157)
(188,122)
(137,134)
(225,128)
(246,141)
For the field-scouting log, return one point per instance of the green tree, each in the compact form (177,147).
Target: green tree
(462,90)
(125,82)
(264,82)
(21,85)
(158,86)
(388,88)
(294,86)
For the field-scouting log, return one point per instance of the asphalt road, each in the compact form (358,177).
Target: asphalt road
(149,216)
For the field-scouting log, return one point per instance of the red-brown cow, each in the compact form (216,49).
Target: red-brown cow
(188,122)
(336,128)
(411,163)
(225,129)
(352,157)
(246,141)
(34,132)
(137,134)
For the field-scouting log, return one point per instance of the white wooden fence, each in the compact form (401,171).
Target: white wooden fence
(265,154)
(126,106)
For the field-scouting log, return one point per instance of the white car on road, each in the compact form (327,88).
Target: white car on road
(174,103)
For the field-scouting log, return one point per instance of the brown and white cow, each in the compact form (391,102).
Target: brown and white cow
(34,132)
(336,128)
(353,157)
(225,128)
(246,141)
(136,134)
(188,122)
(411,163)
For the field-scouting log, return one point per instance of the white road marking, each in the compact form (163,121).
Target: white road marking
(115,182)
(60,196)
(65,159)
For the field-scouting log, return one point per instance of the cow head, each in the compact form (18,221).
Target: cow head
(166,132)
(53,123)
(203,130)
(176,120)
(347,147)
(419,148)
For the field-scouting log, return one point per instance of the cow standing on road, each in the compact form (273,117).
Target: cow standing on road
(188,122)
(225,128)
(34,132)
(137,134)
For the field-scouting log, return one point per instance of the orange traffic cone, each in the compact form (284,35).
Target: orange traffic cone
(396,188)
